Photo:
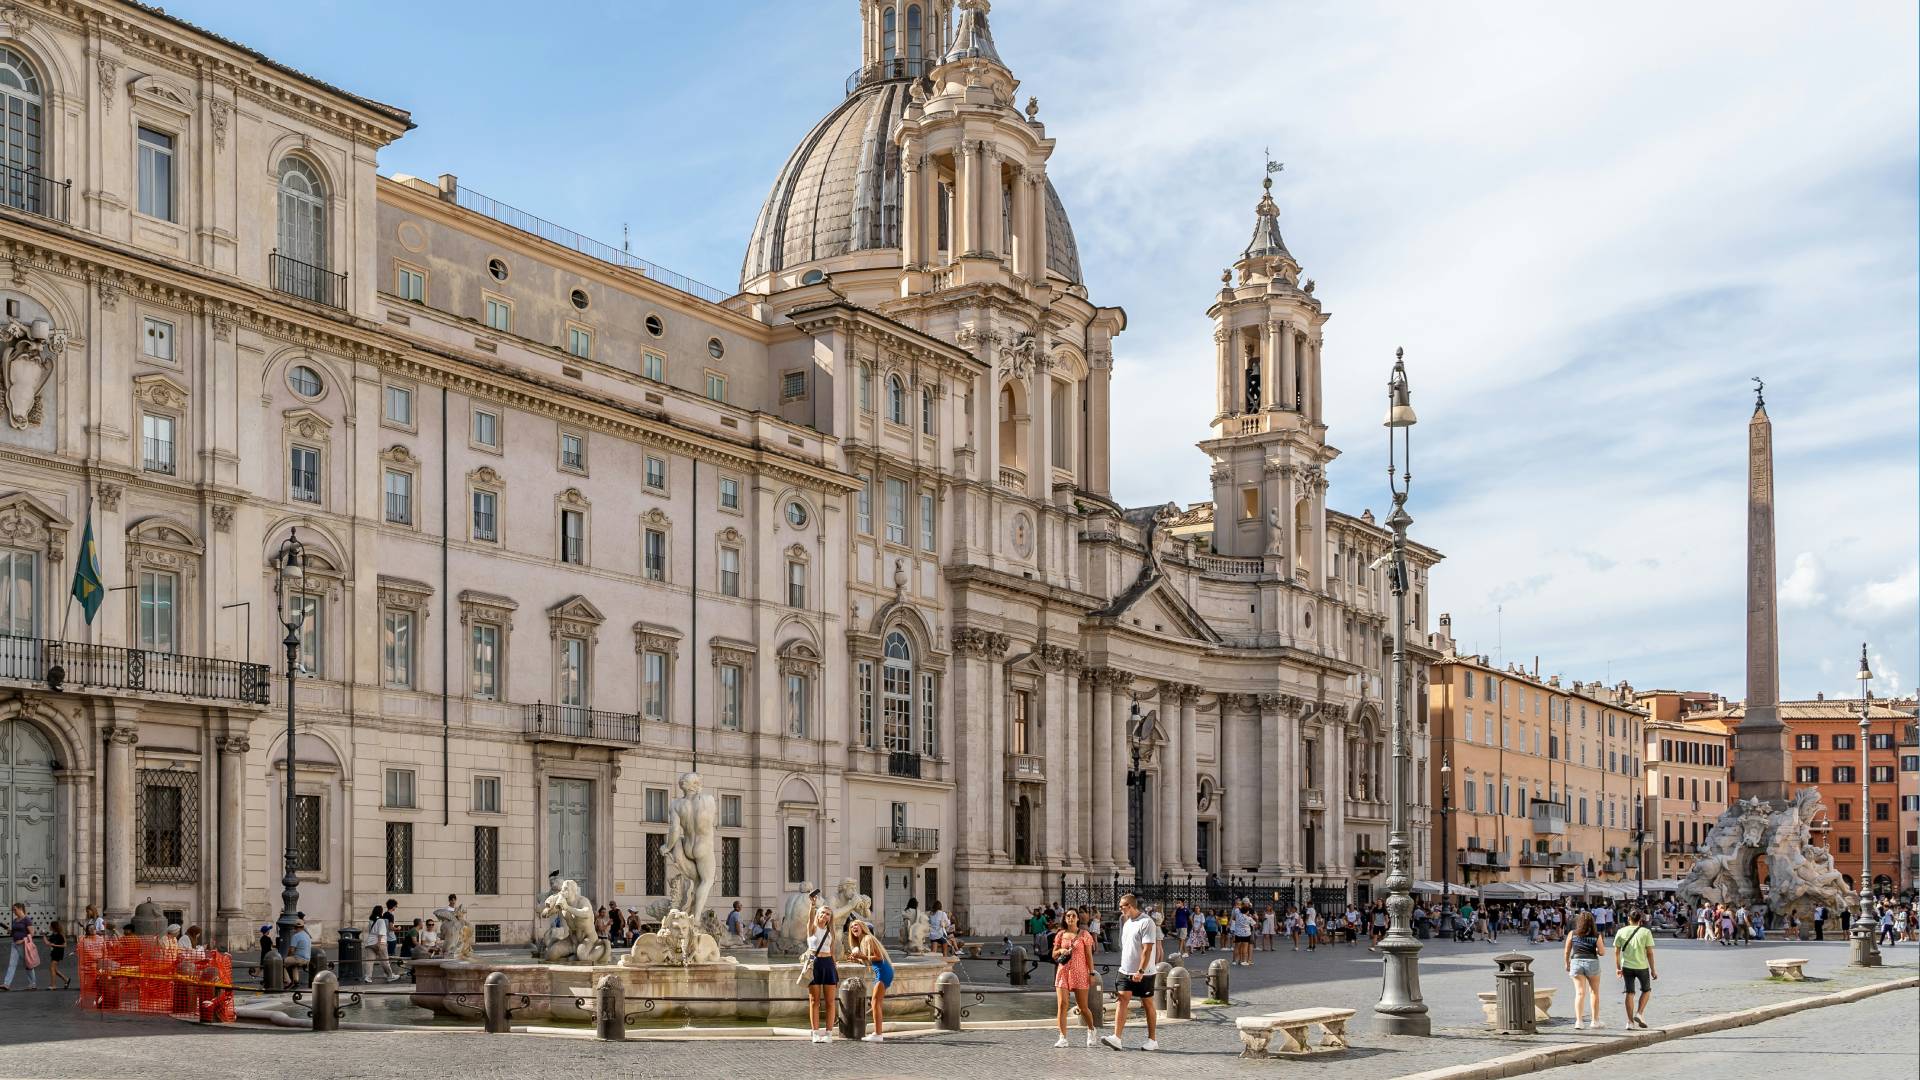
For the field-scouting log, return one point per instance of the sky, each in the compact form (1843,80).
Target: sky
(1588,226)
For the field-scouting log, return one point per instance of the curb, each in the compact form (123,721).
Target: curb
(1548,1057)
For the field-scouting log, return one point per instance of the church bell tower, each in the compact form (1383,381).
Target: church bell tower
(902,38)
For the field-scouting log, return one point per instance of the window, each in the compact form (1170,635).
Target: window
(572,692)
(573,537)
(796,853)
(1880,742)
(731,695)
(1880,845)
(863,700)
(1910,762)
(896,511)
(156,340)
(167,807)
(796,583)
(156,174)
(20,113)
(926,522)
(896,694)
(888,38)
(396,649)
(653,366)
(799,691)
(655,807)
(486,429)
(311,636)
(1469,682)
(486,860)
(730,812)
(715,349)
(485,681)
(573,451)
(1022,709)
(1810,742)
(716,387)
(486,795)
(497,268)
(655,326)
(156,443)
(399,405)
(653,685)
(486,506)
(499,314)
(926,412)
(729,571)
(1882,774)
(303,474)
(1471,791)
(656,473)
(1806,774)
(159,612)
(729,493)
(578,298)
(1057,431)
(1909,803)
(410,284)
(306,834)
(929,715)
(1880,811)
(1845,844)
(399,497)
(866,387)
(1844,774)
(863,506)
(896,400)
(793,385)
(655,847)
(729,866)
(399,856)
(797,514)
(655,566)
(580,342)
(1250,506)
(303,215)
(398,793)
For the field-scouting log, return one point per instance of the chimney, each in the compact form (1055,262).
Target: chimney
(449,187)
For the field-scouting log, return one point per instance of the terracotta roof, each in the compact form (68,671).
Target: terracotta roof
(1827,709)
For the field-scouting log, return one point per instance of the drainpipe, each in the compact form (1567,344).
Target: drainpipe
(446,629)
(693,619)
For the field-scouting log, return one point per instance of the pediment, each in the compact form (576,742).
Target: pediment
(1163,611)
(576,609)
(307,424)
(168,95)
(160,391)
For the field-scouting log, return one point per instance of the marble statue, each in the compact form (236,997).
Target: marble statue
(691,860)
(1723,874)
(796,915)
(575,938)
(456,933)
(849,901)
(916,932)
(1800,875)
(678,942)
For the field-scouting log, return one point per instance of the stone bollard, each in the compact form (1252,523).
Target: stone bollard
(493,996)
(609,1008)
(1513,984)
(1097,997)
(326,1002)
(1017,966)
(1217,980)
(947,988)
(273,971)
(853,1008)
(1180,993)
(1161,971)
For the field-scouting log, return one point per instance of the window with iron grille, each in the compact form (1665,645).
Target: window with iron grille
(486,860)
(306,834)
(486,933)
(796,853)
(399,856)
(729,866)
(169,815)
(655,846)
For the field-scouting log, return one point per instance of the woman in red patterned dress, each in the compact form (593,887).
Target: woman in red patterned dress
(1073,974)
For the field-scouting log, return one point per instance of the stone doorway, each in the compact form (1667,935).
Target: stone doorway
(570,831)
(32,839)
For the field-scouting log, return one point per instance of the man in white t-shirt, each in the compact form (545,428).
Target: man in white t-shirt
(1139,950)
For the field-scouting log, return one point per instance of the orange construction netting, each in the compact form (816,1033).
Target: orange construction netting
(155,978)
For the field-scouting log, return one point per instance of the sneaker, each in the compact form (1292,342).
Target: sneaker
(814,1035)
(877,1037)
(1639,1023)
(1111,1043)
(1150,1044)
(1060,1043)
(1092,1040)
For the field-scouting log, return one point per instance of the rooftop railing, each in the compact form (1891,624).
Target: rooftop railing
(469,199)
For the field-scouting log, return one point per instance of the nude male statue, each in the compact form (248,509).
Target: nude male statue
(691,820)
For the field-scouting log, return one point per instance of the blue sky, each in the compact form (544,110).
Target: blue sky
(1587,226)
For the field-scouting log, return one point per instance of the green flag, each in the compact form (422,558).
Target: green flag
(88,588)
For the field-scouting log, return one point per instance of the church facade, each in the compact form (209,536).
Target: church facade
(843,539)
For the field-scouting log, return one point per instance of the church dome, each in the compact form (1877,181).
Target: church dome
(840,192)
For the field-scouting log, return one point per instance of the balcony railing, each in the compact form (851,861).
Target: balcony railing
(307,281)
(1025,767)
(884,70)
(903,763)
(1370,860)
(1472,857)
(1013,479)
(570,723)
(1231,565)
(1549,818)
(30,191)
(1313,799)
(913,841)
(1537,858)
(78,665)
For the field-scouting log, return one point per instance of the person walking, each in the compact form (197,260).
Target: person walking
(1819,922)
(379,933)
(1266,929)
(1582,952)
(1139,948)
(1182,922)
(864,947)
(822,988)
(1240,929)
(1633,963)
(1196,934)
(1313,929)
(1072,976)
(24,954)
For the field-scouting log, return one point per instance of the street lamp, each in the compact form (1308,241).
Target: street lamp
(290,590)
(1400,1010)
(1640,846)
(1866,944)
(1446,842)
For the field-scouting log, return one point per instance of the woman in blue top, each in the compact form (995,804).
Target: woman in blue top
(20,932)
(1582,953)
(864,947)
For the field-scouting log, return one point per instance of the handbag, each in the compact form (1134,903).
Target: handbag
(30,951)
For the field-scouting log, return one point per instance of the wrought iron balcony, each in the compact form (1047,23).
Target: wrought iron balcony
(77,665)
(908,841)
(307,281)
(885,70)
(903,763)
(30,191)
(1370,860)
(570,723)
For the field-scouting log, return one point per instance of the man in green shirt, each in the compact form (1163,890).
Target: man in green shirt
(1633,963)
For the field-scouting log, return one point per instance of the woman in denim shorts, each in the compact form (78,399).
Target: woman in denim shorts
(1582,951)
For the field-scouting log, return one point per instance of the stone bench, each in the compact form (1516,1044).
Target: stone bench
(1542,1004)
(1256,1032)
(1792,969)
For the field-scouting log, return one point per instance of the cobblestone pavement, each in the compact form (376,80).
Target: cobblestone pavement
(43,1035)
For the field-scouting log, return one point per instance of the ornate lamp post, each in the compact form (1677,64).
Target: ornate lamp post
(1446,843)
(290,589)
(1400,1010)
(1866,937)
(1640,846)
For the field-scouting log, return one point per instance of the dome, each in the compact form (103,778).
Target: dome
(840,192)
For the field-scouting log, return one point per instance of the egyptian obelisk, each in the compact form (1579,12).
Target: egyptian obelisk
(1761,762)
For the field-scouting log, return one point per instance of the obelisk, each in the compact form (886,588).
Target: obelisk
(1761,762)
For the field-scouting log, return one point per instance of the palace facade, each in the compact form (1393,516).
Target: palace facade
(842,538)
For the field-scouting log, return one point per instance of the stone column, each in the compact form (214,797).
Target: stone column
(1099,433)
(1312,349)
(974,712)
(232,835)
(122,734)
(1053,711)
(1040,432)
(1334,733)
(1270,367)
(1166,791)
(912,201)
(1102,824)
(992,776)
(1037,211)
(992,189)
(1189,781)
(1229,389)
(1227,756)
(967,201)
(1073,787)
(1020,245)
(1289,363)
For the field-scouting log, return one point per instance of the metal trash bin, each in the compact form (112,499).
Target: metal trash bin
(351,966)
(1513,994)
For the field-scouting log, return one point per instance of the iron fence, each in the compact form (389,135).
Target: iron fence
(573,722)
(307,281)
(34,192)
(60,664)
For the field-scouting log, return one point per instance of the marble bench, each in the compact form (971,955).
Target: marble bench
(1792,969)
(1256,1032)
(1542,1004)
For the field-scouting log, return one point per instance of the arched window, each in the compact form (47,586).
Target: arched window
(913,38)
(896,694)
(888,49)
(303,213)
(20,135)
(896,400)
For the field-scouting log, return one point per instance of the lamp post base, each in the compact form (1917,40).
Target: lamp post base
(1400,1010)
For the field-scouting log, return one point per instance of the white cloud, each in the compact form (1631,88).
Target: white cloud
(1804,587)
(1895,597)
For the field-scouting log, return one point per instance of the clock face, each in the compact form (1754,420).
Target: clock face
(1020,533)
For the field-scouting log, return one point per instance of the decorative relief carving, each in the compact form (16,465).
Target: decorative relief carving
(222,326)
(109,72)
(238,745)
(729,535)
(656,517)
(486,607)
(575,617)
(17,17)
(1022,356)
(1050,657)
(797,553)
(109,496)
(650,638)
(729,651)
(988,644)
(123,735)
(222,112)
(28,353)
(398,454)
(159,391)
(485,476)
(222,517)
(572,497)
(109,293)
(406,595)
(798,658)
